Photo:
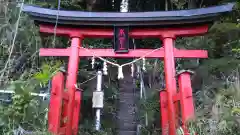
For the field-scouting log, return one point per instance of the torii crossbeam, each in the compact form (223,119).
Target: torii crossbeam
(165,25)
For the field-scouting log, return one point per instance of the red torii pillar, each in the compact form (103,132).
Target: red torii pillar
(168,52)
(185,98)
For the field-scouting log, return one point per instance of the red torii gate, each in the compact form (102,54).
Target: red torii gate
(65,105)
(168,52)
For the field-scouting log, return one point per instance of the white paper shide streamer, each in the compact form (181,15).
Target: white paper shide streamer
(120,71)
(144,64)
(93,62)
(105,68)
(132,69)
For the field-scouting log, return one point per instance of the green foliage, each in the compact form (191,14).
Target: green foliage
(47,72)
(149,113)
(23,111)
(220,116)
(66,4)
(217,102)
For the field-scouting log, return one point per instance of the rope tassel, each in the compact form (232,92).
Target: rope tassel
(120,73)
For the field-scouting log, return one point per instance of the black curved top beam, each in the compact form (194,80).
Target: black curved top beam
(132,19)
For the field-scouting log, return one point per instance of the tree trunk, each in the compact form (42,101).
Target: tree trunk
(192,4)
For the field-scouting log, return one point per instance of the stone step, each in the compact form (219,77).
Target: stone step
(127,98)
(129,95)
(128,126)
(130,111)
(126,115)
(127,120)
(126,132)
(127,103)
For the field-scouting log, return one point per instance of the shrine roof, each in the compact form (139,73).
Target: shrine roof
(132,19)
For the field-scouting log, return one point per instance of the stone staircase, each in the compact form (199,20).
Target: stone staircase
(127,109)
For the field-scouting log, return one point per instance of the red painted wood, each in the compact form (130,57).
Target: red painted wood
(64,112)
(65,96)
(55,105)
(164,112)
(76,112)
(134,33)
(71,81)
(176,97)
(169,70)
(186,99)
(132,53)
(62,131)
